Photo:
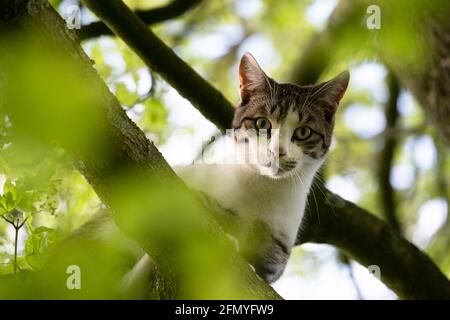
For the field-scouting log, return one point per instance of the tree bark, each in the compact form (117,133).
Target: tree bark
(430,84)
(160,58)
(365,238)
(353,222)
(131,160)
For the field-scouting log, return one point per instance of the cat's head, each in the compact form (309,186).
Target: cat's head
(296,121)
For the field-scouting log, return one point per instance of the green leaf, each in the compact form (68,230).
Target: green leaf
(37,244)
(26,200)
(43,229)
(3,208)
(124,95)
(6,267)
(9,187)
(155,116)
(97,55)
(9,200)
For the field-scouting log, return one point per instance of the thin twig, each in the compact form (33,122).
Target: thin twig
(170,11)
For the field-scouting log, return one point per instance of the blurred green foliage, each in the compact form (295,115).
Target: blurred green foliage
(41,182)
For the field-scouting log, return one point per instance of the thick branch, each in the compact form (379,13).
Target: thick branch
(429,90)
(386,157)
(160,58)
(409,272)
(352,223)
(172,10)
(354,230)
(126,158)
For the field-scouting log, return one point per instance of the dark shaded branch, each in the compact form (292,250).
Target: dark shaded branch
(17,225)
(386,157)
(161,59)
(316,55)
(359,234)
(126,158)
(409,272)
(441,246)
(430,87)
(426,72)
(442,175)
(8,221)
(431,83)
(172,10)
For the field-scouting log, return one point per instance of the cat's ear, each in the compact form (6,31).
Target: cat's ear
(333,90)
(251,77)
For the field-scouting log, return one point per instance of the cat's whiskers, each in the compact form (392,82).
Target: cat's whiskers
(306,99)
(319,186)
(314,196)
(297,175)
(241,159)
(311,94)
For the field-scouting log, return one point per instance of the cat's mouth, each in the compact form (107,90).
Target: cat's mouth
(288,165)
(282,168)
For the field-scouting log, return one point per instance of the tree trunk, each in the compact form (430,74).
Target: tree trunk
(363,236)
(430,83)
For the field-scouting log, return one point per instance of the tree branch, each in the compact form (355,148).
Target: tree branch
(316,55)
(442,238)
(386,157)
(361,235)
(426,72)
(370,241)
(126,158)
(172,10)
(160,58)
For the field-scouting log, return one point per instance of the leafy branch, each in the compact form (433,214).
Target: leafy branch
(356,232)
(15,221)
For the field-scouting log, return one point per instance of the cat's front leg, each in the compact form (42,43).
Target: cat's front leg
(266,250)
(272,263)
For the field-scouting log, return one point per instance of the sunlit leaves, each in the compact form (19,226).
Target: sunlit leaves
(97,56)
(8,199)
(154,118)
(37,244)
(46,97)
(47,101)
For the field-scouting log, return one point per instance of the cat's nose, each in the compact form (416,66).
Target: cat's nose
(280,152)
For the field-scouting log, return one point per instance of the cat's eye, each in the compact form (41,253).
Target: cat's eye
(262,124)
(302,133)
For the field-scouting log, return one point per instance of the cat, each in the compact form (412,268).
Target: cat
(266,185)
(269,193)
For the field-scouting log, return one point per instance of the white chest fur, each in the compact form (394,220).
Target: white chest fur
(278,202)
